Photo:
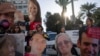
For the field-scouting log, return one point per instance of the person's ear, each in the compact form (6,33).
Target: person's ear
(78,44)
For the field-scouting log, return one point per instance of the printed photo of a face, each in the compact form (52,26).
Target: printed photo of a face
(37,44)
(7,12)
(33,10)
(34,14)
(7,46)
(19,16)
(88,46)
(63,44)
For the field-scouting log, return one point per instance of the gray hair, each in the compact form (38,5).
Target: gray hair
(56,39)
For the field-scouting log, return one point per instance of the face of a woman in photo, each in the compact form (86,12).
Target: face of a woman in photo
(32,10)
(16,29)
(64,44)
(9,49)
(38,44)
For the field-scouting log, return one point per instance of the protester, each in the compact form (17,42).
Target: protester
(89,22)
(73,50)
(63,45)
(37,45)
(34,14)
(89,46)
(62,30)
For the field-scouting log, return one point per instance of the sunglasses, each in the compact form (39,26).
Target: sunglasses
(64,42)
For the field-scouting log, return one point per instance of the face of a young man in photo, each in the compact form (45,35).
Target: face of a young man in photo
(88,46)
(38,44)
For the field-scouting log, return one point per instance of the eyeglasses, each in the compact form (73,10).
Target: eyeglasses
(64,42)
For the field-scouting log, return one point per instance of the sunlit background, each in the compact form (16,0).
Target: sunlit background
(53,7)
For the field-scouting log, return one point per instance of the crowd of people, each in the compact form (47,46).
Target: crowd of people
(12,21)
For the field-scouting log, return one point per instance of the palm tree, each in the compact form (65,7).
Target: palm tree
(87,9)
(63,4)
(48,14)
(96,16)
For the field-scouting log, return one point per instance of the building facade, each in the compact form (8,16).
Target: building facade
(20,5)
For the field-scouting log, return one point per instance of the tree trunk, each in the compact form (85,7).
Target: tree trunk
(73,14)
(62,14)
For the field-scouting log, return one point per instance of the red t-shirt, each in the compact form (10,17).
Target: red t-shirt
(33,25)
(28,54)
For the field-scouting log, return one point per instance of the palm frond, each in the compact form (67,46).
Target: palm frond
(88,8)
(62,2)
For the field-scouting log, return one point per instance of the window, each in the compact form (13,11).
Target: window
(20,7)
(24,6)
(24,1)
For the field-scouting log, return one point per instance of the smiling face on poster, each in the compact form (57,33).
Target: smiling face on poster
(34,14)
(32,9)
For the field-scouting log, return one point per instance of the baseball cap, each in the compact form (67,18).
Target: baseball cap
(7,7)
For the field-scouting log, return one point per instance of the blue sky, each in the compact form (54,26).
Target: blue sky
(51,6)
